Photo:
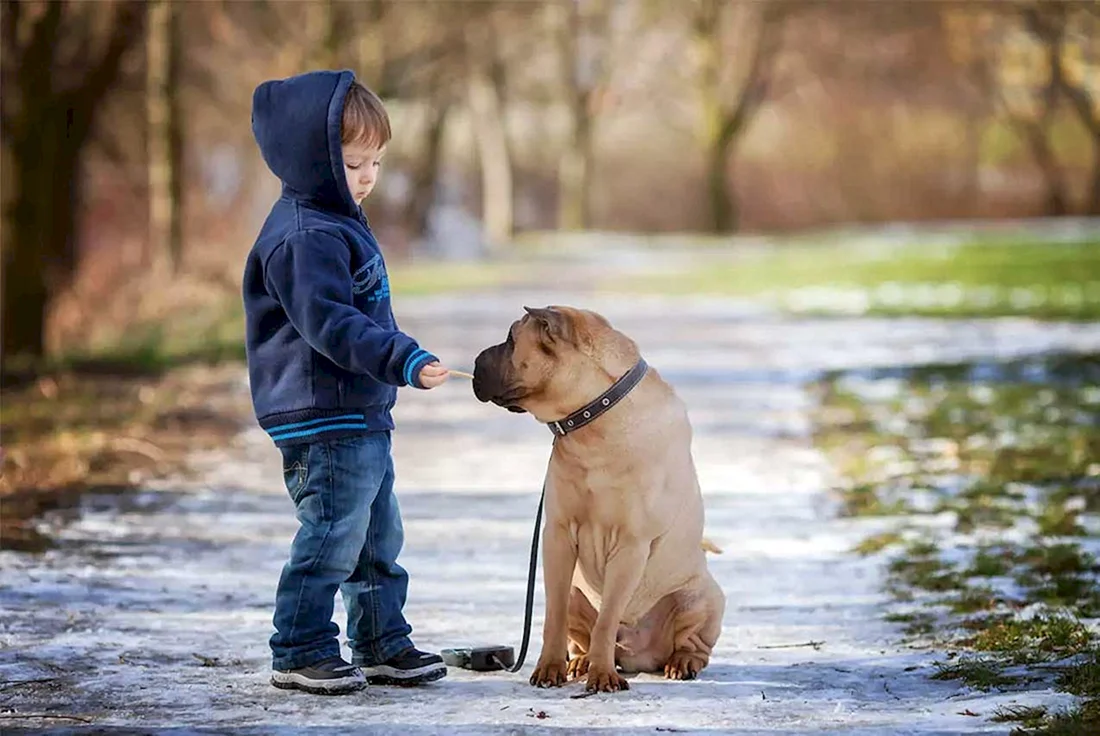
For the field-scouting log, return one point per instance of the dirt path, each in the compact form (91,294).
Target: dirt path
(155,610)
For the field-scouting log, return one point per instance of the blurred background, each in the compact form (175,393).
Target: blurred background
(821,156)
(132,187)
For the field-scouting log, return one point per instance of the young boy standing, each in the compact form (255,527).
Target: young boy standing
(325,359)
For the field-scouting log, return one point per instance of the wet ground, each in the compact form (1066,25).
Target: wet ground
(154,610)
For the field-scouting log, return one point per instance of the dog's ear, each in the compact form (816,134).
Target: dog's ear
(554,325)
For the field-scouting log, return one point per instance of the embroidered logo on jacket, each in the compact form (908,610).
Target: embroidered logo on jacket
(372,275)
(368,276)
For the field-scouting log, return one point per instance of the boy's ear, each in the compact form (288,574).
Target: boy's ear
(554,325)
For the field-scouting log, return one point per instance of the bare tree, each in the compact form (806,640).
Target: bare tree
(52,93)
(427,165)
(1049,23)
(1030,105)
(736,44)
(165,138)
(583,36)
(1031,59)
(324,24)
(486,106)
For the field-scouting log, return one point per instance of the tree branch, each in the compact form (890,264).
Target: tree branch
(126,30)
(29,72)
(9,32)
(45,30)
(1050,33)
(11,12)
(44,38)
(1081,99)
(759,78)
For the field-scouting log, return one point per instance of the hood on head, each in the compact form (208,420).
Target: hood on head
(296,124)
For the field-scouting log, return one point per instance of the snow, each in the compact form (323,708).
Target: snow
(115,626)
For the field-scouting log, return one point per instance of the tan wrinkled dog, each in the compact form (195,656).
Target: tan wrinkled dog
(624,568)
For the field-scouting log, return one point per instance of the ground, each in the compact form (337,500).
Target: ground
(154,611)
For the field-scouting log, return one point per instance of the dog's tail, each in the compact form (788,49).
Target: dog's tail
(709,546)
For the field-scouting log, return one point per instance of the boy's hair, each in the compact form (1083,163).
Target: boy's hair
(365,120)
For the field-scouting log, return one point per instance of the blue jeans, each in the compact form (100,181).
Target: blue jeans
(349,537)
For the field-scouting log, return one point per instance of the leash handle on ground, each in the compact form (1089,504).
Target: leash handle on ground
(497,657)
(530,588)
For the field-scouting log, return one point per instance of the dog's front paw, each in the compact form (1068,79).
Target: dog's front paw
(684,665)
(605,681)
(549,674)
(578,667)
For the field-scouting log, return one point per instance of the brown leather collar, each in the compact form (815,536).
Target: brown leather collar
(588,413)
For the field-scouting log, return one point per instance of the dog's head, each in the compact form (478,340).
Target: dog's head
(543,358)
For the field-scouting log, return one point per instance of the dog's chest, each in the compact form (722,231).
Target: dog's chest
(590,481)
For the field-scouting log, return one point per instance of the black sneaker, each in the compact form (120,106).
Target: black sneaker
(331,676)
(410,667)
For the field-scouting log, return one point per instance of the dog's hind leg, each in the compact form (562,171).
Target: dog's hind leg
(696,624)
(646,646)
(582,617)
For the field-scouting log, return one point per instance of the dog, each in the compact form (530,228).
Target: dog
(624,566)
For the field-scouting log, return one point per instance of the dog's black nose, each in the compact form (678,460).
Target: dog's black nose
(481,392)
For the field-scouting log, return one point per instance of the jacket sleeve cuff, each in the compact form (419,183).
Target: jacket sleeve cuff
(416,361)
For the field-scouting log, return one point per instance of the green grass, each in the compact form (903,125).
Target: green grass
(916,624)
(986,277)
(155,348)
(1027,716)
(990,564)
(976,672)
(1025,641)
(1083,678)
(878,542)
(430,279)
(1080,720)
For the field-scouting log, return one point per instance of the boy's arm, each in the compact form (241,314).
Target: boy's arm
(310,275)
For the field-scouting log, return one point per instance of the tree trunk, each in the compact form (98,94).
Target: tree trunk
(1056,203)
(1092,206)
(583,38)
(725,117)
(323,34)
(574,211)
(165,137)
(494,157)
(45,127)
(39,245)
(723,206)
(24,290)
(427,172)
(717,130)
(972,176)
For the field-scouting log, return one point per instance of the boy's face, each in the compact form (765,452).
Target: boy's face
(361,166)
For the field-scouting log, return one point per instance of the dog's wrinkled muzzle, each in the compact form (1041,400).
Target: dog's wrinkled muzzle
(490,384)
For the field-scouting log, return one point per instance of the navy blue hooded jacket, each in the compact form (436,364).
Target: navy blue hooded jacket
(325,355)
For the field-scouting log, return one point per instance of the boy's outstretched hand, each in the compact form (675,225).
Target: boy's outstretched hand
(432,375)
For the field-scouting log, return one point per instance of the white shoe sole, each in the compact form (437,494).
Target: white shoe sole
(339,686)
(385,675)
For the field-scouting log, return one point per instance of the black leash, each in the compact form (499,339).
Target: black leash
(490,658)
(529,611)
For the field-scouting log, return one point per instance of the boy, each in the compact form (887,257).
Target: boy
(325,359)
